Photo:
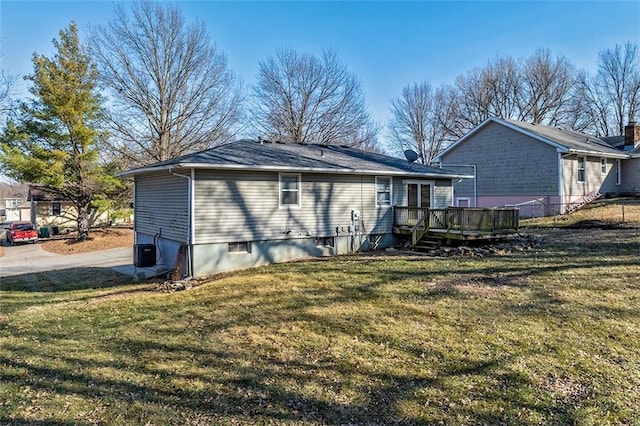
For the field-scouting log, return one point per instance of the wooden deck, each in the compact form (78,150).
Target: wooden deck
(455,223)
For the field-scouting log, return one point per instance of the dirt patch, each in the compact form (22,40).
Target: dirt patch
(481,285)
(99,239)
(598,224)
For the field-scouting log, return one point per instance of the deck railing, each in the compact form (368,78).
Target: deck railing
(459,219)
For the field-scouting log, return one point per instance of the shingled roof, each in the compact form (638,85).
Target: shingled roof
(42,193)
(248,154)
(568,141)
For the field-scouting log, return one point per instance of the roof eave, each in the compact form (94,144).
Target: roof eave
(240,167)
(598,153)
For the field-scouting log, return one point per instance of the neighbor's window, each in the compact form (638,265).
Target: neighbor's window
(603,166)
(240,247)
(618,172)
(289,189)
(581,169)
(56,209)
(383,191)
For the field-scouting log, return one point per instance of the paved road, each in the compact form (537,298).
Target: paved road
(31,258)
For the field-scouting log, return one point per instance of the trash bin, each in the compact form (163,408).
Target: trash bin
(43,233)
(55,229)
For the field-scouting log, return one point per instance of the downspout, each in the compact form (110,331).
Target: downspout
(475,179)
(190,238)
(561,179)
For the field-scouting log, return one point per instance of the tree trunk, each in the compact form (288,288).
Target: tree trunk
(83,223)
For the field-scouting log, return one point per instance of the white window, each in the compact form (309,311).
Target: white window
(240,247)
(463,202)
(289,189)
(618,172)
(56,209)
(383,191)
(603,166)
(581,169)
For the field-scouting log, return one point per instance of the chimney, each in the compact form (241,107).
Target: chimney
(631,135)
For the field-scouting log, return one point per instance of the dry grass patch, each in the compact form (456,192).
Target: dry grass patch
(617,212)
(99,239)
(485,285)
(538,337)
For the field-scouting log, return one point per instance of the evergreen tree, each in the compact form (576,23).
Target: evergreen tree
(54,141)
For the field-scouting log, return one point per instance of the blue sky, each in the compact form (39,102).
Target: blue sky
(386,44)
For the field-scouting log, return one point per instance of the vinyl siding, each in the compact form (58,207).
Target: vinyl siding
(631,175)
(243,206)
(161,203)
(508,163)
(595,180)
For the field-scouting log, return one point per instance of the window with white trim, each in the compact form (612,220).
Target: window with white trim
(383,191)
(240,247)
(582,162)
(56,209)
(289,189)
(603,166)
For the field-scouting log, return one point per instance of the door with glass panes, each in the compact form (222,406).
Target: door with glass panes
(419,195)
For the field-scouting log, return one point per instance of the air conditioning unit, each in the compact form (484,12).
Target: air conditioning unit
(144,255)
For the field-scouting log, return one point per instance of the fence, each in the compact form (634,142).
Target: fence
(617,210)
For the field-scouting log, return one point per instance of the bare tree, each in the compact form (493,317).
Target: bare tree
(413,124)
(547,86)
(473,98)
(618,83)
(501,82)
(171,91)
(7,85)
(303,98)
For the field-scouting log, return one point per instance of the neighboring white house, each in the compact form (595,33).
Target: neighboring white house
(14,209)
(249,203)
(540,167)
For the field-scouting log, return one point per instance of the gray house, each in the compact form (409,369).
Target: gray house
(538,167)
(250,203)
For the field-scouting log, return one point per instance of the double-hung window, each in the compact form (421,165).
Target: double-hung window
(603,166)
(289,189)
(582,169)
(383,191)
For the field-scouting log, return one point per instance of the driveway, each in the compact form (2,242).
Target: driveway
(31,258)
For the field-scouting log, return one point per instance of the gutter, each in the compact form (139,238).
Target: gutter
(202,166)
(598,153)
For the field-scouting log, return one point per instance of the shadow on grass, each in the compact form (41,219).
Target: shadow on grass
(65,280)
(260,391)
(325,351)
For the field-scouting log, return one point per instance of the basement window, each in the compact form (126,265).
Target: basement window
(325,242)
(240,247)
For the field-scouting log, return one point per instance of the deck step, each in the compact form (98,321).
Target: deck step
(428,243)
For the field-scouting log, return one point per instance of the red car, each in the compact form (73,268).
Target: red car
(22,232)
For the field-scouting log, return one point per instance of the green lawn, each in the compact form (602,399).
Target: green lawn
(549,336)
